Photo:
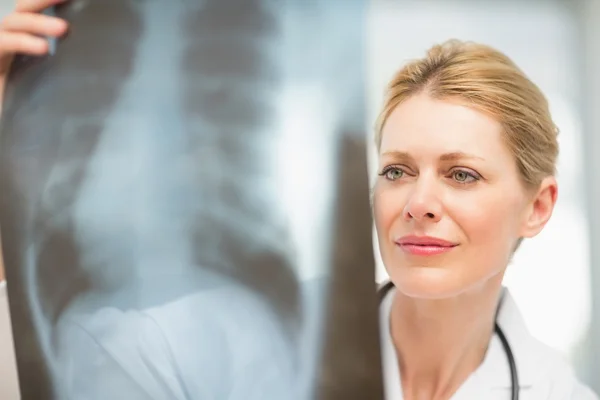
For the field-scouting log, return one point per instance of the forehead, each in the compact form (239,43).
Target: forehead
(424,124)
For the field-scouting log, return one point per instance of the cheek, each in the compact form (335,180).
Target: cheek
(386,209)
(489,220)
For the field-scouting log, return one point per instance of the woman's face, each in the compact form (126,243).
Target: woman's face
(449,205)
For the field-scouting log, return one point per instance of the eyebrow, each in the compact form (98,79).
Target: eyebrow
(454,156)
(398,156)
(459,155)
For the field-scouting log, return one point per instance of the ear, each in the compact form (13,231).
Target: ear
(541,207)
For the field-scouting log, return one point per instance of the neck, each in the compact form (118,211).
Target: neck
(439,343)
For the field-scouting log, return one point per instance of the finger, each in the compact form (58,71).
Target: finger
(35,5)
(22,43)
(36,24)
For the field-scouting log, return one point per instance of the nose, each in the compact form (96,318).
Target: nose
(423,203)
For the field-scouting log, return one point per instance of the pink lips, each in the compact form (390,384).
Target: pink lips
(424,245)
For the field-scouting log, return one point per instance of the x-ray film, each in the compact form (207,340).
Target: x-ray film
(184,204)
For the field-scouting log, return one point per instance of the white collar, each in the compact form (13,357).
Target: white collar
(521,342)
(494,371)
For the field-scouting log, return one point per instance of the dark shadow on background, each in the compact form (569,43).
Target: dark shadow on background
(351,366)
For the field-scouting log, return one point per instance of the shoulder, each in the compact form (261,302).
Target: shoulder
(555,378)
(544,372)
(562,381)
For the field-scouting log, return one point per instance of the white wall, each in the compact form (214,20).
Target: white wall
(589,13)
(6,6)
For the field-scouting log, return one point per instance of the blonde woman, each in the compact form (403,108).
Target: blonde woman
(467,155)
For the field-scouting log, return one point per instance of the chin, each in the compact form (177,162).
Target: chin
(429,282)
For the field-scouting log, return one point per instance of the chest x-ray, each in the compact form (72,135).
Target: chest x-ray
(184,204)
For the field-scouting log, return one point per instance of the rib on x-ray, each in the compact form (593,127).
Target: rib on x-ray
(184,204)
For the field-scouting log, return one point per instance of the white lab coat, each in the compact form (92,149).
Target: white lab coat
(543,373)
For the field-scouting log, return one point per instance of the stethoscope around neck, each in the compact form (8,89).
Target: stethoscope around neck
(514,378)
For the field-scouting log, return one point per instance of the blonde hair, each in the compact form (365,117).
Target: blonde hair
(487,80)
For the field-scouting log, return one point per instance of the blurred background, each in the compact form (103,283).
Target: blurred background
(557,43)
